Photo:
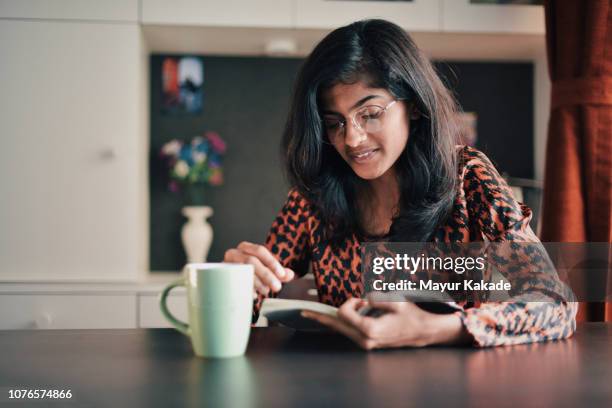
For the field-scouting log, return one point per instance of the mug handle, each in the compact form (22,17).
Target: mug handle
(163,297)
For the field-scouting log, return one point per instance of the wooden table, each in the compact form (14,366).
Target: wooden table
(156,367)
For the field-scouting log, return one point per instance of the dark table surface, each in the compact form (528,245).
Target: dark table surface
(156,367)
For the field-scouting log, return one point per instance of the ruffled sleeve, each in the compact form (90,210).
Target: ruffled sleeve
(499,217)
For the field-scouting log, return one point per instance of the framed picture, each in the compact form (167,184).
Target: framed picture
(182,85)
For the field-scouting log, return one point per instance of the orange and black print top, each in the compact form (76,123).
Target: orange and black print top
(484,209)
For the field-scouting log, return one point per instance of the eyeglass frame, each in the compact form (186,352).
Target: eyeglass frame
(354,114)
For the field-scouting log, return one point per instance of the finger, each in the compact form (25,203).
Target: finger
(341,327)
(349,314)
(354,304)
(289,275)
(264,274)
(232,255)
(237,256)
(329,321)
(361,304)
(266,277)
(260,287)
(265,256)
(393,307)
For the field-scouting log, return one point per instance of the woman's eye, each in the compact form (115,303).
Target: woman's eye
(371,114)
(332,124)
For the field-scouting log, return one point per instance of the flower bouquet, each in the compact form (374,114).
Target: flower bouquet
(194,165)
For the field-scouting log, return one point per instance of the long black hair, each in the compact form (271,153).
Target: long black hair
(382,54)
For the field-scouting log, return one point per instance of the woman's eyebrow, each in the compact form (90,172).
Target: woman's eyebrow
(356,105)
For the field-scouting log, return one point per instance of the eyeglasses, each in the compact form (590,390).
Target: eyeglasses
(368,119)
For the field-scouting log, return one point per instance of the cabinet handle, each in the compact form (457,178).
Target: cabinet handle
(107,154)
(43,321)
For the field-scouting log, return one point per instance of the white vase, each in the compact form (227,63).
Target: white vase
(197,234)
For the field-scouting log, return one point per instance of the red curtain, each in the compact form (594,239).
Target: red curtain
(577,204)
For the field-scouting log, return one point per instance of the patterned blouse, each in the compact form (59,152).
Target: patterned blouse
(484,209)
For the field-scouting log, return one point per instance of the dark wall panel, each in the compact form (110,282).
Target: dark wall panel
(502,96)
(246,101)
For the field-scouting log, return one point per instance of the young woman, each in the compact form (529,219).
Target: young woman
(369,148)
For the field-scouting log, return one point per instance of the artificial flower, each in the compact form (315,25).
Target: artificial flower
(216,178)
(199,157)
(195,162)
(216,142)
(172,148)
(197,140)
(181,169)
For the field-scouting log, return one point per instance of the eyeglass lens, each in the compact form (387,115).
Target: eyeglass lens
(367,119)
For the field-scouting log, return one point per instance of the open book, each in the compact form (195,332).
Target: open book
(287,312)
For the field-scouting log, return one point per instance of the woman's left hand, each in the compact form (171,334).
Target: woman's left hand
(403,324)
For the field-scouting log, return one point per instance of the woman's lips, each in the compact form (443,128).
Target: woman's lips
(363,156)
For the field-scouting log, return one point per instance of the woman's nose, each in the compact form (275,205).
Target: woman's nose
(353,136)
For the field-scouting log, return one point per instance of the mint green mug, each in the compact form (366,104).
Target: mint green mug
(220,305)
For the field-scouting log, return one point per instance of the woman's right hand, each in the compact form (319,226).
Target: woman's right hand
(269,273)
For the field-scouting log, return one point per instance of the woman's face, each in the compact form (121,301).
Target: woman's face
(370,152)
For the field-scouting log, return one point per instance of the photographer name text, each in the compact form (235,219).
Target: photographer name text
(468,284)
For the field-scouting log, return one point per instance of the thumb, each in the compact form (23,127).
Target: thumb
(389,306)
(289,275)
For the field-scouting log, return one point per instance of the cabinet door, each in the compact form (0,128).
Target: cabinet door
(49,311)
(418,15)
(109,10)
(71,151)
(238,13)
(468,16)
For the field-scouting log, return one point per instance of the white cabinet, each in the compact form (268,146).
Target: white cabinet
(418,15)
(107,10)
(464,16)
(57,311)
(79,305)
(72,161)
(239,13)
